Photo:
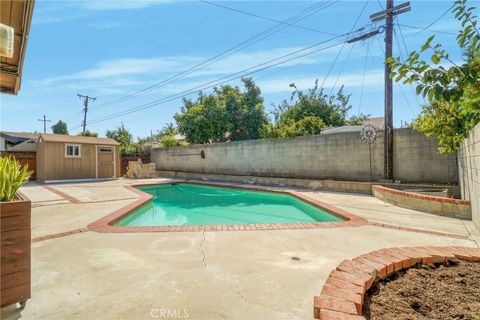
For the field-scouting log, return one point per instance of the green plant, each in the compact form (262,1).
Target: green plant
(123,136)
(12,176)
(228,113)
(169,141)
(451,87)
(60,128)
(88,133)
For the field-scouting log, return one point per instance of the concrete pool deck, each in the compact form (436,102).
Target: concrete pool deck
(205,275)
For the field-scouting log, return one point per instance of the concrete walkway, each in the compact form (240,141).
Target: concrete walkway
(205,275)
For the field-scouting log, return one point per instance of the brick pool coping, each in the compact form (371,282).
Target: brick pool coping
(343,293)
(105,224)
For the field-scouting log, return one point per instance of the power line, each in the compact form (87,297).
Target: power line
(437,19)
(406,54)
(363,78)
(227,78)
(266,18)
(342,68)
(341,49)
(398,85)
(262,35)
(431,30)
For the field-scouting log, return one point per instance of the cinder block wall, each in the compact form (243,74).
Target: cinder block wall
(469,172)
(340,156)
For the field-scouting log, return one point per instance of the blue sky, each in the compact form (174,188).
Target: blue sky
(111,49)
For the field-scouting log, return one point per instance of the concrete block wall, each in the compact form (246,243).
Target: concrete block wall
(340,156)
(469,172)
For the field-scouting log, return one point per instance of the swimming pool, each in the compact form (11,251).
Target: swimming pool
(193,205)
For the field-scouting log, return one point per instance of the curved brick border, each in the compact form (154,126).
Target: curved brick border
(453,208)
(106,224)
(343,293)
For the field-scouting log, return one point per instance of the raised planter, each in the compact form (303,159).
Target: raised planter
(15,230)
(453,208)
(344,290)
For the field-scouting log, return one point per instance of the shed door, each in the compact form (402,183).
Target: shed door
(105,162)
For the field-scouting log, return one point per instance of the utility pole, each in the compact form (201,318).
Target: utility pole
(387,15)
(44,120)
(85,108)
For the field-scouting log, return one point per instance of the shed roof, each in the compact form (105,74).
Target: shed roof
(77,139)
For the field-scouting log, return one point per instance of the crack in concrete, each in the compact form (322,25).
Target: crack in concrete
(204,257)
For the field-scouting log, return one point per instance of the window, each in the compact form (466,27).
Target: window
(105,150)
(73,151)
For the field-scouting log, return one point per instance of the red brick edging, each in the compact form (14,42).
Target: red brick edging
(344,290)
(62,194)
(59,235)
(419,195)
(106,224)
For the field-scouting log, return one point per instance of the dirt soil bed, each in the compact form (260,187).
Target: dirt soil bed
(427,292)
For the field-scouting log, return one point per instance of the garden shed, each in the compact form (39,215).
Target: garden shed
(63,157)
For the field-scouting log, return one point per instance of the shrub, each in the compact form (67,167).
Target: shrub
(12,177)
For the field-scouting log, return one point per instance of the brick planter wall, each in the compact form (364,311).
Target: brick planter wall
(344,290)
(447,207)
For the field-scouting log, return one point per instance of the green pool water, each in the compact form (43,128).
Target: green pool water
(189,204)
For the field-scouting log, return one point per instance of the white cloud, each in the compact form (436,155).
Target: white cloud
(63,11)
(121,4)
(106,25)
(114,73)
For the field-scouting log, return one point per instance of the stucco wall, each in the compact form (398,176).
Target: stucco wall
(469,172)
(340,156)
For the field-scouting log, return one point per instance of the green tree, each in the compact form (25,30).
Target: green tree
(88,133)
(453,92)
(310,113)
(165,136)
(60,128)
(226,114)
(123,136)
(306,126)
(169,141)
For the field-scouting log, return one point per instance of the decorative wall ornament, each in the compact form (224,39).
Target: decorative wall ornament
(369,136)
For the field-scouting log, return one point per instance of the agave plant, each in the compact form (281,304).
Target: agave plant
(12,176)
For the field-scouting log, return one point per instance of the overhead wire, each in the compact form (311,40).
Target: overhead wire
(222,80)
(266,18)
(342,68)
(156,102)
(406,54)
(246,43)
(363,78)
(398,85)
(437,19)
(343,46)
(431,30)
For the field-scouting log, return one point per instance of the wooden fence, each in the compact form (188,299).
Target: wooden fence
(25,158)
(145,157)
